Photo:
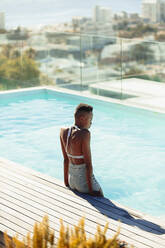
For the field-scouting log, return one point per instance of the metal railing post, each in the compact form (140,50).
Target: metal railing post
(121,67)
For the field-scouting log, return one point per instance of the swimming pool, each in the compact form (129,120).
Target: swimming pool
(128,144)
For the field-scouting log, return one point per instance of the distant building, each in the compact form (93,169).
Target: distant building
(96,13)
(153,10)
(102,14)
(163,11)
(102,21)
(78,22)
(2,20)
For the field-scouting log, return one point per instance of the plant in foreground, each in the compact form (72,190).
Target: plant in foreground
(43,237)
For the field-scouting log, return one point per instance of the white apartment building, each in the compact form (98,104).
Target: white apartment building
(153,10)
(77,21)
(2,20)
(102,14)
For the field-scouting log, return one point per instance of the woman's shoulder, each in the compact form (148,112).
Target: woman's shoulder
(85,132)
(63,130)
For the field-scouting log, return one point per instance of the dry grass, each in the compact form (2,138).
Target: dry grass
(44,237)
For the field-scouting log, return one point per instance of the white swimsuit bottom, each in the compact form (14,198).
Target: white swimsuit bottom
(78,181)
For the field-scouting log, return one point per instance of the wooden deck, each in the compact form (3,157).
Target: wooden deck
(26,196)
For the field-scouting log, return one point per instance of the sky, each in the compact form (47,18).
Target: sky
(44,11)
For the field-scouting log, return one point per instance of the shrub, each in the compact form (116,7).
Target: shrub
(43,237)
(18,70)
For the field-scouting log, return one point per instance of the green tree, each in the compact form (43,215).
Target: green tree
(141,52)
(15,54)
(121,25)
(136,31)
(30,53)
(29,69)
(24,70)
(6,50)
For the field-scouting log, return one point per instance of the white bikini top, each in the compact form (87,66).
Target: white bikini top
(67,141)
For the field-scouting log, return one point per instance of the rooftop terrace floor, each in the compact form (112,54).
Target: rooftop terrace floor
(134,92)
(26,196)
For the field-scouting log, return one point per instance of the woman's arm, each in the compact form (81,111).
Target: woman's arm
(66,160)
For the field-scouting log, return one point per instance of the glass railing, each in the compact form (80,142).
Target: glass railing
(124,68)
(102,65)
(141,67)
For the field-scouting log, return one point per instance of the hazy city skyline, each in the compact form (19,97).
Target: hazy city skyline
(44,12)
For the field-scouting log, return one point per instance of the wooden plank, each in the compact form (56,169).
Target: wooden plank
(55,183)
(8,225)
(101,207)
(51,202)
(23,193)
(104,202)
(58,195)
(14,217)
(131,220)
(57,209)
(38,212)
(8,229)
(36,186)
(23,222)
(54,196)
(128,240)
(14,229)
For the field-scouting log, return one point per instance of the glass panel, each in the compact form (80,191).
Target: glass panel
(137,57)
(19,65)
(40,59)
(35,57)
(62,64)
(142,70)
(112,67)
(101,65)
(10,62)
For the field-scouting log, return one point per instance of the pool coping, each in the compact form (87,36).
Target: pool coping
(88,95)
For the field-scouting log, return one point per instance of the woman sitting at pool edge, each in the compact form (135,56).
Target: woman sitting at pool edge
(75,144)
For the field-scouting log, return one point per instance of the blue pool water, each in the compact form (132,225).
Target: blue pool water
(128,144)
